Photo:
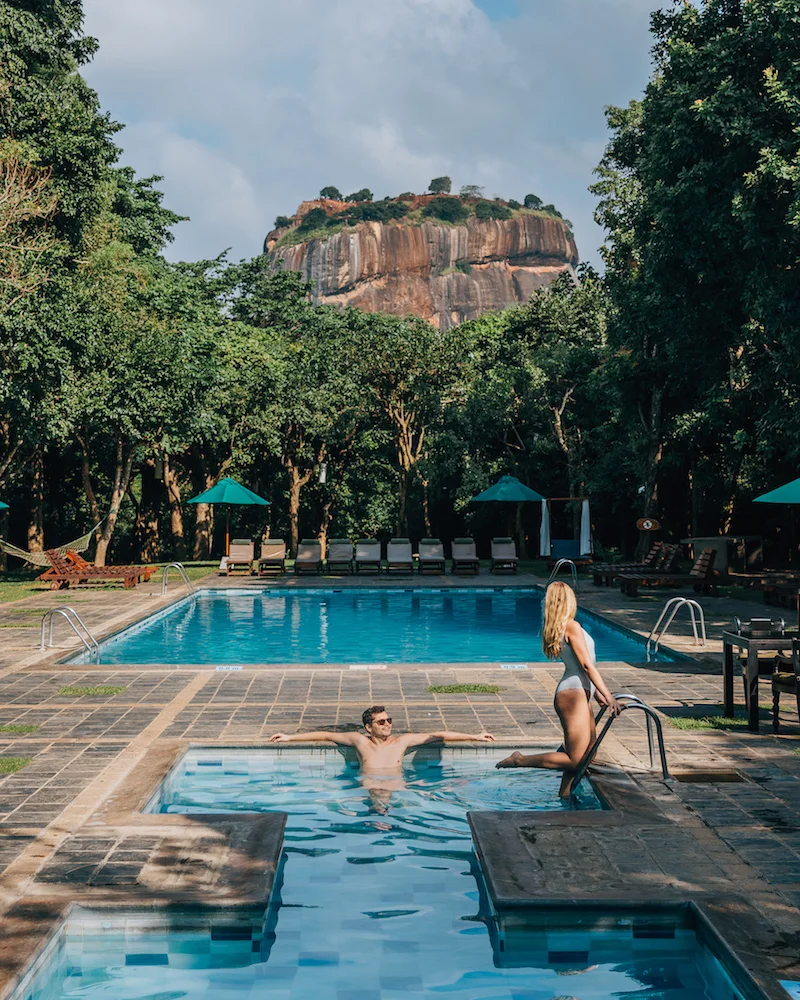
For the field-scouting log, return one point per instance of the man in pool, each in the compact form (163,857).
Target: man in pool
(379,752)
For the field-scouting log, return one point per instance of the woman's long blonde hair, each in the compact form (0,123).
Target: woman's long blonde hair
(560,606)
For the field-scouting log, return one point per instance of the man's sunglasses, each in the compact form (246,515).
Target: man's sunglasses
(381,721)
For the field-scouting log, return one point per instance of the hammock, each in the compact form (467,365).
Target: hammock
(40,558)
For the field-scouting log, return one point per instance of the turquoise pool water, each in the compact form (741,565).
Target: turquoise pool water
(353,627)
(379,899)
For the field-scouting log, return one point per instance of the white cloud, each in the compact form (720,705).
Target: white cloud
(251,107)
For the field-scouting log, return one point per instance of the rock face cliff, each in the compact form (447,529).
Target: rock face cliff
(442,272)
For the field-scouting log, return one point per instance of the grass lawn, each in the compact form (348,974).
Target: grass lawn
(94,691)
(8,765)
(19,584)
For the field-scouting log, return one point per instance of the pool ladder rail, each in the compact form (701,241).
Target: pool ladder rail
(626,702)
(75,622)
(670,609)
(573,572)
(181,572)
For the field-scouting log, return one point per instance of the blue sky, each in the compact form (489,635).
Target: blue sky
(250,107)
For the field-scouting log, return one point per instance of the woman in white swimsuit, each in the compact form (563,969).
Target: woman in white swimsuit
(563,637)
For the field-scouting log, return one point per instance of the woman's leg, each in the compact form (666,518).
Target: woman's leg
(575,715)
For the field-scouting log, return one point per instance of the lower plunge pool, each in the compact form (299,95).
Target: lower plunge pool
(379,898)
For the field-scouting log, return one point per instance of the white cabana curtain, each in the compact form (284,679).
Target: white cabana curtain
(544,531)
(586,530)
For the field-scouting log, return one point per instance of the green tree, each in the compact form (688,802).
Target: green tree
(471,191)
(363,195)
(532,201)
(440,185)
(331,192)
(447,209)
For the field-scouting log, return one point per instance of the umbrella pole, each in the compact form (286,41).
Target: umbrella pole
(227,531)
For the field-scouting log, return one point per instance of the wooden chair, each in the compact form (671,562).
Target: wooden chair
(603,574)
(399,558)
(242,553)
(63,573)
(340,556)
(504,556)
(273,558)
(77,560)
(309,556)
(699,576)
(464,556)
(785,680)
(368,555)
(431,556)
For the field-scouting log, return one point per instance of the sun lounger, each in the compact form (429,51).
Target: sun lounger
(242,553)
(398,556)
(504,556)
(368,555)
(700,576)
(340,556)
(603,574)
(465,556)
(63,573)
(431,556)
(309,557)
(273,558)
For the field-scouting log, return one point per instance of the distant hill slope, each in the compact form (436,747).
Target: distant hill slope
(445,272)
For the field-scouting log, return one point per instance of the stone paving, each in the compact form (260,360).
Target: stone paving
(738,794)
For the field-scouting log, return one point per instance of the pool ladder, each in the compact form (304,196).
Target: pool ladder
(75,622)
(181,572)
(626,702)
(573,572)
(670,609)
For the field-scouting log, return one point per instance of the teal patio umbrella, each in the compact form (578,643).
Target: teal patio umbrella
(788,493)
(3,506)
(228,491)
(509,489)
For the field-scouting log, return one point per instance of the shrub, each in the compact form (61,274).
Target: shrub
(492,210)
(463,266)
(406,196)
(282,221)
(440,185)
(380,211)
(513,203)
(446,209)
(363,195)
(471,191)
(531,201)
(331,192)
(552,210)
(313,219)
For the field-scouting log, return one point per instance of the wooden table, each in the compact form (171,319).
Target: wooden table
(752,647)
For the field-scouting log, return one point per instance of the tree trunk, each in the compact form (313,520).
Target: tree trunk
(522,549)
(296,483)
(36,524)
(409,442)
(175,513)
(324,524)
(147,515)
(426,508)
(651,423)
(122,477)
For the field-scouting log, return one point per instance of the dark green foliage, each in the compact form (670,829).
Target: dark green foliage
(440,185)
(446,209)
(313,219)
(471,191)
(512,203)
(463,266)
(331,192)
(406,196)
(283,221)
(552,210)
(492,210)
(363,195)
(380,211)
(532,201)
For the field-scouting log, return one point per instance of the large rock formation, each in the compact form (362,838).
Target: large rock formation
(444,273)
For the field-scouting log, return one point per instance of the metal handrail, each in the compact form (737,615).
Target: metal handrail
(165,577)
(627,701)
(75,622)
(573,570)
(669,611)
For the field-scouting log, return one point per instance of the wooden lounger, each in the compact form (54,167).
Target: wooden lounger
(242,553)
(340,556)
(399,558)
(699,576)
(504,556)
(431,556)
(368,555)
(273,558)
(309,557)
(465,556)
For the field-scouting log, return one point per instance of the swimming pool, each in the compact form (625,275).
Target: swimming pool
(379,898)
(353,626)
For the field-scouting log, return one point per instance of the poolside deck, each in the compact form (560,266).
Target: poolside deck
(739,811)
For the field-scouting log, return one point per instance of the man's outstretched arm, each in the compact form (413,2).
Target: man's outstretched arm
(418,739)
(347,739)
